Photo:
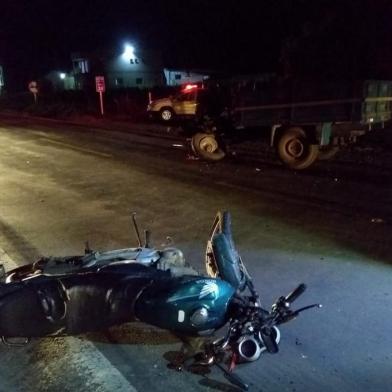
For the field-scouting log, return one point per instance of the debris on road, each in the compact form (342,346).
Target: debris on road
(377,220)
(191,157)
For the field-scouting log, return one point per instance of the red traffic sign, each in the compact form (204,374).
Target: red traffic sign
(33,87)
(100,84)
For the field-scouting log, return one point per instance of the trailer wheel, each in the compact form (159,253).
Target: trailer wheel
(166,114)
(327,152)
(206,146)
(296,150)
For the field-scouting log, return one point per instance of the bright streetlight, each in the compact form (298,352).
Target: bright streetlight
(129,52)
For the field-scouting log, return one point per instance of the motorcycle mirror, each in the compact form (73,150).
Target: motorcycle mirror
(87,249)
(2,273)
(135,226)
(147,239)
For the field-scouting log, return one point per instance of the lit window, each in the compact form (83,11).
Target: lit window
(83,66)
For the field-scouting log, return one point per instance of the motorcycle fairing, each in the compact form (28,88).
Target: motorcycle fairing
(222,258)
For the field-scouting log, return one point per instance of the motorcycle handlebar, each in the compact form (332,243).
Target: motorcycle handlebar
(295,293)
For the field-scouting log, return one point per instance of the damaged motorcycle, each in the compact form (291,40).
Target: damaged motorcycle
(71,295)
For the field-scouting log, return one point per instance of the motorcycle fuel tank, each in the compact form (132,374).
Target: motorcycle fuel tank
(192,305)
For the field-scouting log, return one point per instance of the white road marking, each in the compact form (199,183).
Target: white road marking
(76,148)
(6,260)
(97,367)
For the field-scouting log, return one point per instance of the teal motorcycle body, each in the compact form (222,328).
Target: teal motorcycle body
(77,294)
(190,305)
(74,304)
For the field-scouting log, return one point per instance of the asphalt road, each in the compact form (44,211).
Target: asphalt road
(329,227)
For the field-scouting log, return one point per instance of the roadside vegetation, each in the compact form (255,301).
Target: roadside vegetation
(122,103)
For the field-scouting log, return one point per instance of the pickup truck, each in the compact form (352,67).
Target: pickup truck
(304,121)
(179,106)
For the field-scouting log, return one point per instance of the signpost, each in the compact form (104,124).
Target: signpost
(100,88)
(33,87)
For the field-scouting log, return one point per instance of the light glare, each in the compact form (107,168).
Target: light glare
(129,52)
(189,87)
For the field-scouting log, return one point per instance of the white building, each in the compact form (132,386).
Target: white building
(135,68)
(141,68)
(129,67)
(177,77)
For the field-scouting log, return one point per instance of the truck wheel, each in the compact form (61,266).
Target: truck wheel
(327,152)
(166,114)
(206,146)
(295,149)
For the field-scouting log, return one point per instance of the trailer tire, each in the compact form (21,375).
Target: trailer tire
(207,147)
(327,152)
(296,150)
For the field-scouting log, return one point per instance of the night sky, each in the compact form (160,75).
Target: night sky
(335,38)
